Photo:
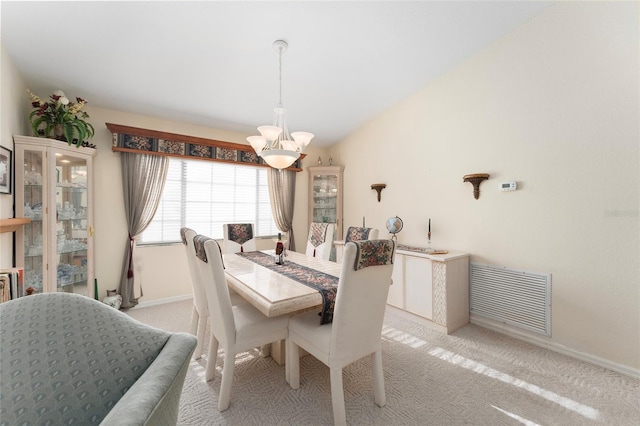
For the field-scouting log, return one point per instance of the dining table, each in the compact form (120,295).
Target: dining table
(273,289)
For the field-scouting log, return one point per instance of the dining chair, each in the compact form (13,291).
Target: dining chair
(236,328)
(200,312)
(356,330)
(238,237)
(320,240)
(357,233)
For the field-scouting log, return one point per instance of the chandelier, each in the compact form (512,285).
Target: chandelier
(275,145)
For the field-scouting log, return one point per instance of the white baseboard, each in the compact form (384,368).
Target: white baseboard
(163,301)
(416,318)
(556,347)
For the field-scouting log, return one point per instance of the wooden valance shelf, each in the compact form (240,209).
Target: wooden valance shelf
(153,142)
(12,224)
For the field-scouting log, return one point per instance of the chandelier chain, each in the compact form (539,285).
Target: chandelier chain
(280,73)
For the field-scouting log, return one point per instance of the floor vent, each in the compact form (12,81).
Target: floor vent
(518,298)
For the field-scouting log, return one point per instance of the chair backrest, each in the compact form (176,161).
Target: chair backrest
(361,299)
(356,233)
(199,294)
(238,237)
(211,268)
(320,240)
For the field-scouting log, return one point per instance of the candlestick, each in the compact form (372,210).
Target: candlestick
(429,225)
(363,222)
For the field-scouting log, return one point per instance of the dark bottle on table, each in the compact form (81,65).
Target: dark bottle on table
(279,250)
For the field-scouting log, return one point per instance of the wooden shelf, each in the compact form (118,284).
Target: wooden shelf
(10,225)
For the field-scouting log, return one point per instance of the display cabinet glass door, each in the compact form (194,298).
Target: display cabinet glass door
(325,198)
(71,224)
(34,236)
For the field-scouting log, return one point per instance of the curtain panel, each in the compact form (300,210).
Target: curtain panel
(143,178)
(282,193)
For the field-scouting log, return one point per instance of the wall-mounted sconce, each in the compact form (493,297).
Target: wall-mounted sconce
(378,187)
(475,180)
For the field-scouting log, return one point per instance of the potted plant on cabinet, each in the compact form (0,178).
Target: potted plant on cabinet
(61,119)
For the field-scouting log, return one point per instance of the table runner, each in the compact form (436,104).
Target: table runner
(326,284)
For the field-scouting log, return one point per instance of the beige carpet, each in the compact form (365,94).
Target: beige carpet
(473,377)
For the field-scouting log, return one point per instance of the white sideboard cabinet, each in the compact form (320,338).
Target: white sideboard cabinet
(432,286)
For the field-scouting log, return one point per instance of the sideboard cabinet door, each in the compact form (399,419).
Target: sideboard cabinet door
(396,290)
(418,286)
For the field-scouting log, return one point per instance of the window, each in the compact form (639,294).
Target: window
(204,195)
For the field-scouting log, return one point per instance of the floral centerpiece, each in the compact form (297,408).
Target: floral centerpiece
(61,119)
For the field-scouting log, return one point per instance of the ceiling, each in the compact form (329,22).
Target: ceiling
(211,63)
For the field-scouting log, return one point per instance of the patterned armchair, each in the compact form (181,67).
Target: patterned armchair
(69,359)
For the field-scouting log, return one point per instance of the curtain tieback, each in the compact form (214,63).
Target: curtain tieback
(130,270)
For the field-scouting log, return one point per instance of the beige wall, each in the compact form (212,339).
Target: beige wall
(555,107)
(14,107)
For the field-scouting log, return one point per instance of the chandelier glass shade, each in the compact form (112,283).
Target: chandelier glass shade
(275,145)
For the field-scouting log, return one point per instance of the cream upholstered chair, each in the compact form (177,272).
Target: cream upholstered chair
(356,233)
(238,237)
(320,240)
(200,313)
(235,328)
(356,330)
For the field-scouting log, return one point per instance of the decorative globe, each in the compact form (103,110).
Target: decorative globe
(394,225)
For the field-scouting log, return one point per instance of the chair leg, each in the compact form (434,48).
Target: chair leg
(378,379)
(194,321)
(265,350)
(193,329)
(227,380)
(337,397)
(212,357)
(292,364)
(202,328)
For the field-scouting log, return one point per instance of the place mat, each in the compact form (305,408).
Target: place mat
(326,284)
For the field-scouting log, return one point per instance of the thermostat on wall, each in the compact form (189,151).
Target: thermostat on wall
(508,186)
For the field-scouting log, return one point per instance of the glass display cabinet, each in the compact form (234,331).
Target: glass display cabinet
(54,184)
(325,196)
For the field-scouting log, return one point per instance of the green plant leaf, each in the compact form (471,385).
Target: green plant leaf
(68,132)
(36,123)
(81,135)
